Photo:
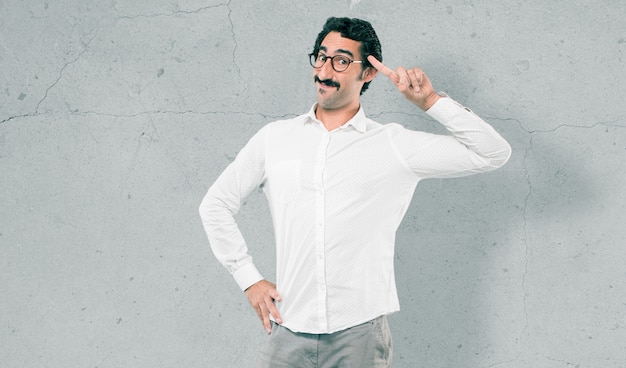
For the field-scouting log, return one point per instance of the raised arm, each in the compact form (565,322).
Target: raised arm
(473,147)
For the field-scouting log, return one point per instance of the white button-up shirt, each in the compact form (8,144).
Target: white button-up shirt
(337,199)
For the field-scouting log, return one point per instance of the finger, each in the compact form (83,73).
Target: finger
(273,310)
(265,318)
(275,295)
(258,312)
(416,76)
(383,69)
(404,79)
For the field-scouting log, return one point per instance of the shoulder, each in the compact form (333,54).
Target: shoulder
(371,125)
(391,129)
(401,136)
(285,124)
(277,131)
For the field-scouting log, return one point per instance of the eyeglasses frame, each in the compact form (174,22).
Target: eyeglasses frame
(332,64)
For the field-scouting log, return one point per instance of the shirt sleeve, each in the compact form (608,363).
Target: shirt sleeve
(473,146)
(222,202)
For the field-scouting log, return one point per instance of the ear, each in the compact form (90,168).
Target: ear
(369,73)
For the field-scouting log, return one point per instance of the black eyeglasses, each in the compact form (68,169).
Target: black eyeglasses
(339,62)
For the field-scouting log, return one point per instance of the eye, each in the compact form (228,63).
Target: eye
(342,60)
(322,57)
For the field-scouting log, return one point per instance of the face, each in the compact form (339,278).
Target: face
(337,90)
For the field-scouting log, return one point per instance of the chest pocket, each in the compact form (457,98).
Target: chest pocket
(284,181)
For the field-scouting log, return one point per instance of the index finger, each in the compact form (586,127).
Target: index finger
(383,69)
(274,311)
(274,296)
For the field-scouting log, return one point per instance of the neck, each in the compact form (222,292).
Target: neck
(334,118)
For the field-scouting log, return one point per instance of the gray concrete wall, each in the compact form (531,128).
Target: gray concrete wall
(116,116)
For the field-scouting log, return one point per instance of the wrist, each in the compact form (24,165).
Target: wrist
(430,101)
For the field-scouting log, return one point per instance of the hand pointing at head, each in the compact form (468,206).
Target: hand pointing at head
(413,83)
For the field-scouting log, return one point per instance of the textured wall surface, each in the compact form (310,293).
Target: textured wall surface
(116,116)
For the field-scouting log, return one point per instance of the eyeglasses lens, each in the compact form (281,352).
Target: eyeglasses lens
(339,62)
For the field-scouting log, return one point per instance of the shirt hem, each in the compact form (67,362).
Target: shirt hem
(338,329)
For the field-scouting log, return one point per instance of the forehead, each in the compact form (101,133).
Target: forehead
(334,44)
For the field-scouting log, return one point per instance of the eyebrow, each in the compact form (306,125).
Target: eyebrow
(347,52)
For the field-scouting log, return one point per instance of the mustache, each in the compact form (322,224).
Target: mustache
(328,82)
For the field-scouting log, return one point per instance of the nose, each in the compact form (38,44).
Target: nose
(326,71)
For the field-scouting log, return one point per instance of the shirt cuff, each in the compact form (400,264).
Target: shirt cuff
(247,275)
(445,108)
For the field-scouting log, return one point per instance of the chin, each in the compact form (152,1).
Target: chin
(324,103)
(325,99)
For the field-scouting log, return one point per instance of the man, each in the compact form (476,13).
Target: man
(338,185)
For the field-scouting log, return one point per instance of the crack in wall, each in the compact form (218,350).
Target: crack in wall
(159,112)
(529,192)
(232,31)
(500,363)
(575,365)
(65,66)
(184,112)
(173,13)
(17,117)
(613,123)
(178,12)
(527,176)
(57,80)
(525,232)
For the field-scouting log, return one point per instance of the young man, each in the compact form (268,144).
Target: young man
(338,185)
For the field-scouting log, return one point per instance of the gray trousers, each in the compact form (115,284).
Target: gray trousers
(367,345)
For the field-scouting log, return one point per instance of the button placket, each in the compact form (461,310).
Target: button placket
(320,199)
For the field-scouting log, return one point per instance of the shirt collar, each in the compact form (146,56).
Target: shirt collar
(358,121)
